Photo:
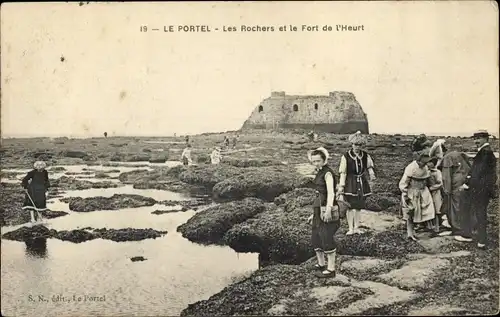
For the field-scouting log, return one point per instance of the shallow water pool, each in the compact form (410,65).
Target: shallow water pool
(48,278)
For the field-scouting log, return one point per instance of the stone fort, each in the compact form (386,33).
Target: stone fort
(339,112)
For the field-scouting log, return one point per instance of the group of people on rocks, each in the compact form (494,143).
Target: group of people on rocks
(439,189)
(215,155)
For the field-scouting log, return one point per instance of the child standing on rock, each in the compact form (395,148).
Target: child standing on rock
(326,216)
(435,187)
(416,199)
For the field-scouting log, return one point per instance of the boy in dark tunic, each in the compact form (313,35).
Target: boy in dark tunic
(36,184)
(480,187)
(325,220)
(356,170)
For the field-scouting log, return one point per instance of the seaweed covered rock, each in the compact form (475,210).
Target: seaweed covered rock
(50,214)
(71,183)
(142,175)
(265,183)
(117,201)
(293,290)
(82,235)
(11,202)
(75,236)
(74,154)
(203,158)
(285,237)
(209,175)
(241,162)
(26,233)
(381,201)
(161,157)
(299,197)
(128,234)
(210,225)
(282,237)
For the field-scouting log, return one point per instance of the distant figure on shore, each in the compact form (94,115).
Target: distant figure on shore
(356,171)
(187,140)
(186,156)
(226,142)
(235,140)
(416,200)
(325,219)
(36,185)
(216,157)
(105,134)
(438,150)
(313,137)
(455,167)
(479,188)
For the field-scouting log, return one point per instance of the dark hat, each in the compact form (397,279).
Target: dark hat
(424,157)
(481,134)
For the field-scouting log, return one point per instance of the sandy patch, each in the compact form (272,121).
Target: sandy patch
(416,274)
(383,295)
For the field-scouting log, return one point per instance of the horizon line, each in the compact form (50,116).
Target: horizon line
(34,136)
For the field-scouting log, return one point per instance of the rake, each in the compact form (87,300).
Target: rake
(39,215)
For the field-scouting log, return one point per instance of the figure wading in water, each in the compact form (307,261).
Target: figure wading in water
(36,184)
(355,165)
(326,214)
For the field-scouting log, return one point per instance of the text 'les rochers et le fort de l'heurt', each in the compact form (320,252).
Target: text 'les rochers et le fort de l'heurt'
(255,28)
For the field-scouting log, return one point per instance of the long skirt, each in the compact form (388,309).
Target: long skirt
(452,208)
(37,194)
(323,233)
(421,208)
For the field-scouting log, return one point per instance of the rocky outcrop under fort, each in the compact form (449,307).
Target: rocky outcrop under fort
(338,112)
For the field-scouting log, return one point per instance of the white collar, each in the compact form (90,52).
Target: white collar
(482,146)
(354,155)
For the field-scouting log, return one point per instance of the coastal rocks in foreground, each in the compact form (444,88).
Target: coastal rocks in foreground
(187,204)
(250,162)
(159,178)
(264,183)
(210,225)
(169,211)
(299,197)
(70,183)
(280,237)
(208,175)
(294,290)
(11,202)
(285,237)
(172,185)
(82,235)
(115,202)
(50,214)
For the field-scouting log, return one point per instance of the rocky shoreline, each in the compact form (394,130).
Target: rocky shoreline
(264,197)
(82,235)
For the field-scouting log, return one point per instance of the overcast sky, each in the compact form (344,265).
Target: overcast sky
(416,68)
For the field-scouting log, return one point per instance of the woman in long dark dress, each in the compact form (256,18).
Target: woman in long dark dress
(36,184)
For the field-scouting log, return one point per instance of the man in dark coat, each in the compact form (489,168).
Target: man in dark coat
(479,188)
